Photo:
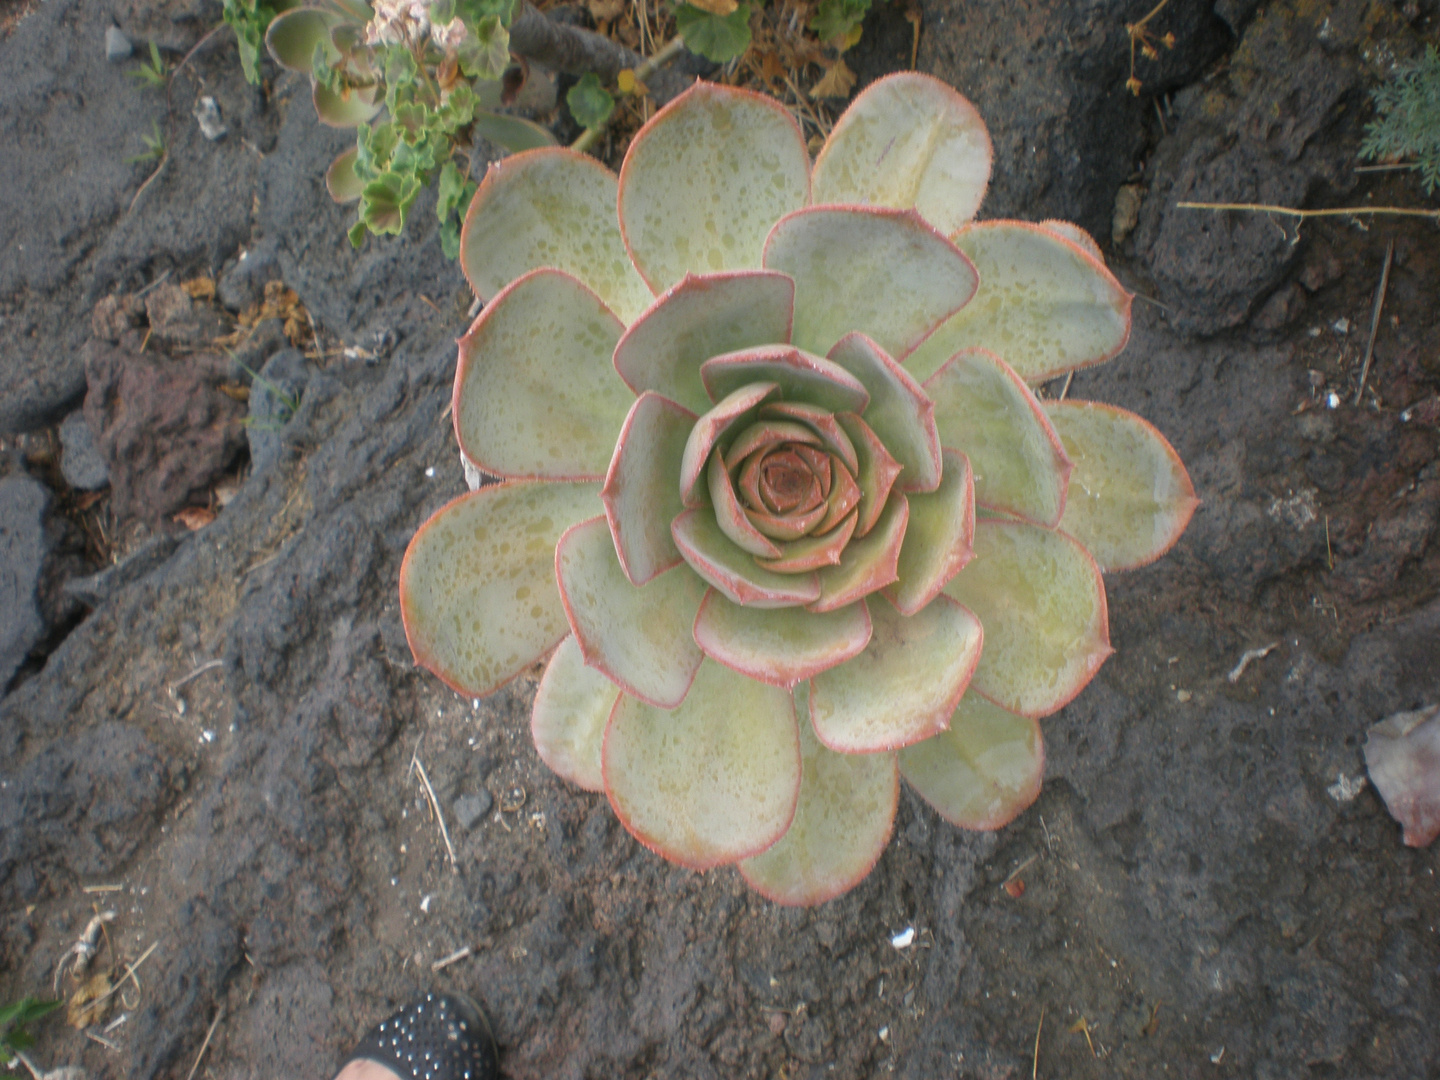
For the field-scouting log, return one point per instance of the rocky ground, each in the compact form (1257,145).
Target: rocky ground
(211,724)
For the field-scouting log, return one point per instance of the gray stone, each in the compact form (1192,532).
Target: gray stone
(274,397)
(207,115)
(80,461)
(23,547)
(117,45)
(471,809)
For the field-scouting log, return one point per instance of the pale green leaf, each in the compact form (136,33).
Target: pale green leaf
(705,180)
(572,707)
(937,537)
(781,647)
(535,393)
(899,412)
(1039,596)
(642,487)
(712,781)
(477,587)
(908,141)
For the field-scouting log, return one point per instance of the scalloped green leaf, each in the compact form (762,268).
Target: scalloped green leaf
(1130,496)
(906,683)
(842,823)
(781,647)
(706,178)
(710,782)
(477,586)
(642,486)
(908,141)
(1045,306)
(639,637)
(900,413)
(983,771)
(883,272)
(550,207)
(733,570)
(937,537)
(572,707)
(985,409)
(535,394)
(702,317)
(1040,597)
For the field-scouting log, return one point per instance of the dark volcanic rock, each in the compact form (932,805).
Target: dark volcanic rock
(80,458)
(23,547)
(164,428)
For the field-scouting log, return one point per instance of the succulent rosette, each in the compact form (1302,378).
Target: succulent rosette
(778,501)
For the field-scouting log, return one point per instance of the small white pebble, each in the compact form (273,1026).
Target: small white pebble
(425,903)
(1341,326)
(904,939)
(430,472)
(1332,400)
(885,1034)
(1182,696)
(207,735)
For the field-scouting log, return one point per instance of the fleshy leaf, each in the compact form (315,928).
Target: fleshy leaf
(706,178)
(1040,597)
(477,587)
(937,538)
(293,36)
(780,647)
(883,272)
(869,562)
(732,570)
(642,486)
(1045,306)
(710,428)
(514,133)
(702,317)
(904,686)
(815,551)
(799,375)
(1068,230)
(535,395)
(712,781)
(842,824)
(1130,497)
(981,772)
(638,637)
(359,106)
(340,179)
(899,413)
(730,515)
(985,409)
(549,207)
(876,471)
(908,141)
(572,707)
(823,423)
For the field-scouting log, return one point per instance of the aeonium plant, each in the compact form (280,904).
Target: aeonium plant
(777,498)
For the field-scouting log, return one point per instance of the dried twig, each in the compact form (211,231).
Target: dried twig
(1288,211)
(1035,1060)
(129,975)
(209,665)
(574,51)
(1245,659)
(1375,320)
(419,768)
(454,957)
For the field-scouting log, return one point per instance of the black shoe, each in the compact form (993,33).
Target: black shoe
(438,1037)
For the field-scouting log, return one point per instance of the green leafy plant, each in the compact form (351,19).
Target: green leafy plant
(155,149)
(13,1018)
(839,20)
(419,82)
(778,500)
(589,102)
(250,19)
(154,72)
(1408,126)
(719,35)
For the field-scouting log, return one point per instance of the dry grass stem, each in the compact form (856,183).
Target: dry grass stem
(453,958)
(1290,211)
(419,767)
(1035,1058)
(1247,657)
(219,1015)
(1375,320)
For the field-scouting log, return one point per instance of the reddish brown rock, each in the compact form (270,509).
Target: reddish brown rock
(163,426)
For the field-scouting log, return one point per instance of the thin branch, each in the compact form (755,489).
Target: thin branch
(574,51)
(1375,320)
(1339,211)
(673,48)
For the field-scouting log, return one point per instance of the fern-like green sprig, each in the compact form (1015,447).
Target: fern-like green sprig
(1408,127)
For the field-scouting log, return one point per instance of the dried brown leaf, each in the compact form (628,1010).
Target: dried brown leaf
(837,82)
